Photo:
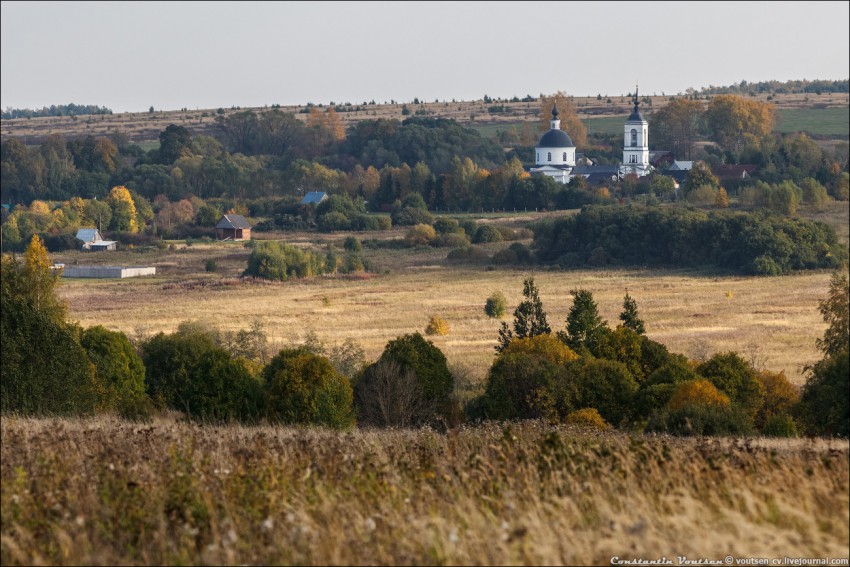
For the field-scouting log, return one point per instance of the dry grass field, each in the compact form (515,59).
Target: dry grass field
(146,126)
(771,321)
(107,492)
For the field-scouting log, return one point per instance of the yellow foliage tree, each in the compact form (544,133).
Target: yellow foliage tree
(123,209)
(41,280)
(780,395)
(697,392)
(722,198)
(570,122)
(546,346)
(39,207)
(437,326)
(734,120)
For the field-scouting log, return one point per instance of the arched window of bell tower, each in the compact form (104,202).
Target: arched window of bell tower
(634,137)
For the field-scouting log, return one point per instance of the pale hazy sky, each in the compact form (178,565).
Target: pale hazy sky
(128,56)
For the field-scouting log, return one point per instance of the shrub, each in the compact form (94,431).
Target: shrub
(332,221)
(44,370)
(780,396)
(588,417)
(779,425)
(527,385)
(701,420)
(496,305)
(420,235)
(623,345)
(696,392)
(186,371)
(211,265)
(352,245)
(303,387)
(119,371)
(469,226)
(447,226)
(703,195)
(452,240)
(734,377)
(437,326)
(825,400)
(505,256)
(470,254)
(387,395)
(607,386)
(546,346)
(271,260)
(413,353)
(409,216)
(487,233)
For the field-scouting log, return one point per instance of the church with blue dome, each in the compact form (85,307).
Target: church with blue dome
(555,154)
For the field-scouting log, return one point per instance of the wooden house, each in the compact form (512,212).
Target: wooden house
(233,227)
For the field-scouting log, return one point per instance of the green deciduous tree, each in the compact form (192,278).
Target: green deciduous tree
(836,313)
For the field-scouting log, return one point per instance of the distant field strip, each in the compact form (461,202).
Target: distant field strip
(818,121)
(815,121)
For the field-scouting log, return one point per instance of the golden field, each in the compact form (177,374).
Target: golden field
(107,492)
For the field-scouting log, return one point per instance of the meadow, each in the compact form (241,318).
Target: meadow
(108,492)
(773,322)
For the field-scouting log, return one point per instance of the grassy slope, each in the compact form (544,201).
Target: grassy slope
(109,492)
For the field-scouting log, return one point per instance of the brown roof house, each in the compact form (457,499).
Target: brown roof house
(233,227)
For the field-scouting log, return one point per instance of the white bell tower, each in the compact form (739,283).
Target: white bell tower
(636,143)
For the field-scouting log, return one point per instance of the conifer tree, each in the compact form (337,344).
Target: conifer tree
(630,317)
(583,321)
(529,318)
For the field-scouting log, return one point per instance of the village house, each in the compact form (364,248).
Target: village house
(91,241)
(233,227)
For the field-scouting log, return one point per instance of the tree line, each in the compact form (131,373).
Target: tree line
(54,110)
(762,243)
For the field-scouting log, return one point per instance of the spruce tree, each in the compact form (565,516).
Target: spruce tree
(630,317)
(583,321)
(529,318)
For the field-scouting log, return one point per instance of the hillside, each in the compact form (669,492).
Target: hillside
(143,127)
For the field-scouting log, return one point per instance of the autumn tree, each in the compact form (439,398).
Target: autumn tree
(676,126)
(37,282)
(123,209)
(734,121)
(570,122)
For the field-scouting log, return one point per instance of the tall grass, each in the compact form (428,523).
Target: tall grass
(110,492)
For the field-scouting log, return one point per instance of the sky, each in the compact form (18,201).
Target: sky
(129,56)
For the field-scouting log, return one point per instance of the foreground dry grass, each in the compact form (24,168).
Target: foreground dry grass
(107,492)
